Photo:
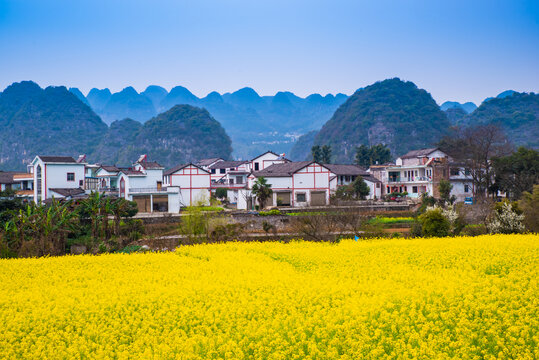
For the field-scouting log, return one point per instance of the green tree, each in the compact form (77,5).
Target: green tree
(530,209)
(326,154)
(316,152)
(518,172)
(262,191)
(445,187)
(361,189)
(377,154)
(434,223)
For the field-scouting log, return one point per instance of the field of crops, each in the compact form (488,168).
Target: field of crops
(459,298)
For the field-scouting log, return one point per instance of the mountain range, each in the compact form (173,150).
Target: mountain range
(55,121)
(398,114)
(255,123)
(58,121)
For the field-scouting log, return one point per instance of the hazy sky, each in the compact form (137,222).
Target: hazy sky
(457,50)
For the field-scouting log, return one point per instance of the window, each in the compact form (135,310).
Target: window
(70,176)
(81,183)
(256,166)
(222,171)
(213,171)
(454,171)
(466,188)
(414,189)
(301,197)
(467,172)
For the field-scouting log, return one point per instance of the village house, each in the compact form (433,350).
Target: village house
(296,184)
(419,172)
(58,177)
(343,175)
(267,159)
(143,183)
(193,182)
(206,163)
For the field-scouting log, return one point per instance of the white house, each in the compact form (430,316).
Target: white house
(107,176)
(302,183)
(57,176)
(143,183)
(267,159)
(206,163)
(419,172)
(193,181)
(346,174)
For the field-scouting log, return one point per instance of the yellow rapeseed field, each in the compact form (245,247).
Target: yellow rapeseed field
(446,298)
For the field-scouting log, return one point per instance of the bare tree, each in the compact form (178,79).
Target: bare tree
(474,147)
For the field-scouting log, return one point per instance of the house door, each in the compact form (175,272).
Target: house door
(318,198)
(283,198)
(143,203)
(122,187)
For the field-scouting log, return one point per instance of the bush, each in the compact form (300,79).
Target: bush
(434,223)
(530,209)
(221,193)
(474,230)
(506,221)
(270,212)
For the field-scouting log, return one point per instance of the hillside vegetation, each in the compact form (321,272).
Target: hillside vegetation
(54,121)
(391,112)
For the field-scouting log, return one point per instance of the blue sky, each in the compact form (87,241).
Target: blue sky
(457,50)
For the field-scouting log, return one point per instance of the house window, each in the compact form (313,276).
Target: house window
(213,171)
(256,166)
(467,172)
(81,183)
(466,188)
(454,171)
(301,197)
(70,176)
(222,171)
(414,189)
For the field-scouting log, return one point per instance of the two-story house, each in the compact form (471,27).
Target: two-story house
(193,181)
(57,176)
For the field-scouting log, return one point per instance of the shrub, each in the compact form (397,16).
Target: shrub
(434,223)
(530,209)
(270,212)
(506,221)
(221,193)
(474,230)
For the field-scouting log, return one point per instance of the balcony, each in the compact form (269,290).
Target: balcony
(227,184)
(415,179)
(148,190)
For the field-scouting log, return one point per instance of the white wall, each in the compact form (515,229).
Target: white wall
(194,184)
(54,175)
(266,160)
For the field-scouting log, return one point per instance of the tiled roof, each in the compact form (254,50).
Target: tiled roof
(68,192)
(418,153)
(207,162)
(227,164)
(57,159)
(151,165)
(341,169)
(6,177)
(370,178)
(110,168)
(25,192)
(130,172)
(280,170)
(174,169)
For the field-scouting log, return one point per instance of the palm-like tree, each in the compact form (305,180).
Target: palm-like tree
(262,191)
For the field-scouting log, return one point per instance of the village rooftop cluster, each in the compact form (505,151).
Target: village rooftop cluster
(294,184)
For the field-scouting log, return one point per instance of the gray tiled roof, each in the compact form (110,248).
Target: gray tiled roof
(207,162)
(342,169)
(227,164)
(57,159)
(280,170)
(68,192)
(417,153)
